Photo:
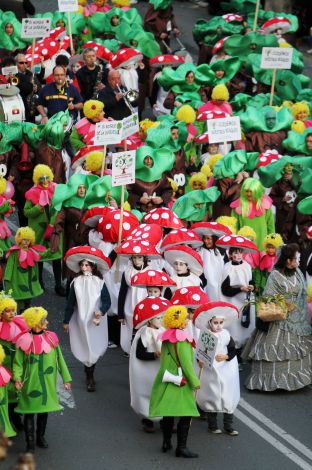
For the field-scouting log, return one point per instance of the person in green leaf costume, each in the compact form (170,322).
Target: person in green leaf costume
(168,398)
(5,377)
(21,271)
(37,361)
(41,217)
(195,206)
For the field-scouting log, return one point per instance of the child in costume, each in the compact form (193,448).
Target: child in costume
(187,264)
(252,258)
(21,274)
(268,259)
(173,389)
(301,112)
(93,111)
(219,391)
(10,327)
(41,217)
(87,302)
(6,208)
(38,358)
(5,377)
(144,355)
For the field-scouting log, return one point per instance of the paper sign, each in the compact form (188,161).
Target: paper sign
(224,130)
(123,168)
(68,5)
(130,125)
(206,347)
(12,70)
(108,132)
(276,58)
(35,27)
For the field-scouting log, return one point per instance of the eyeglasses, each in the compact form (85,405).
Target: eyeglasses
(25,63)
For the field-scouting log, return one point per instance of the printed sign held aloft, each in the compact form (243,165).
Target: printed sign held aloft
(35,27)
(130,125)
(206,347)
(68,5)
(12,70)
(276,58)
(224,130)
(108,132)
(123,168)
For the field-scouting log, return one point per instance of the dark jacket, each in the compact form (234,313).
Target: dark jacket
(113,108)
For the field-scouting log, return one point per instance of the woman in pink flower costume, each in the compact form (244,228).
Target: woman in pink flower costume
(253,209)
(5,377)
(37,361)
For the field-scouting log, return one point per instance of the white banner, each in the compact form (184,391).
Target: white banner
(206,347)
(276,57)
(12,70)
(130,125)
(35,27)
(224,130)
(108,132)
(123,168)
(68,5)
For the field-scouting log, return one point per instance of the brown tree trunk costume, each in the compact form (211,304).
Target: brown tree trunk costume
(162,188)
(53,158)
(156,21)
(259,141)
(230,191)
(285,222)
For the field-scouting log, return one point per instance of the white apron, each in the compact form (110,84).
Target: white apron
(240,275)
(213,268)
(142,373)
(88,342)
(185,281)
(219,386)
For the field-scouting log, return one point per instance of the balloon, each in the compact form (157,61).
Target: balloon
(9,190)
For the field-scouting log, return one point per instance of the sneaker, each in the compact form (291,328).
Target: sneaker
(231,432)
(215,431)
(112,345)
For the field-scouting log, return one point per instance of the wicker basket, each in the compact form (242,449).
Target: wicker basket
(271,311)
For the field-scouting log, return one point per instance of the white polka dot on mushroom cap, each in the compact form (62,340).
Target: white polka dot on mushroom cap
(135,278)
(117,216)
(190,234)
(174,231)
(141,307)
(145,235)
(164,278)
(196,297)
(137,249)
(147,228)
(213,223)
(148,216)
(145,243)
(209,116)
(184,290)
(161,58)
(226,239)
(176,57)
(165,215)
(44,51)
(263,159)
(126,214)
(175,302)
(155,216)
(138,233)
(123,51)
(136,317)
(108,226)
(100,220)
(164,303)
(93,249)
(126,225)
(151,273)
(155,307)
(125,245)
(240,239)
(175,220)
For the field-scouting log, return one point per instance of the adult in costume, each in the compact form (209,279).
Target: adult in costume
(160,20)
(5,377)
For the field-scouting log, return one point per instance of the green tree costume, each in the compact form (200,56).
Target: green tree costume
(5,424)
(167,399)
(262,225)
(38,372)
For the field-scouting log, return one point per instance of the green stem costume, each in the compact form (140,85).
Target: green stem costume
(5,424)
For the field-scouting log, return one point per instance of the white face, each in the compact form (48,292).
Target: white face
(216,324)
(138,261)
(156,322)
(153,291)
(85,267)
(237,256)
(180,267)
(76,67)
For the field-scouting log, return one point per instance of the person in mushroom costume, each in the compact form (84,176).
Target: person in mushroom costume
(87,303)
(237,284)
(173,389)
(220,390)
(41,216)
(144,355)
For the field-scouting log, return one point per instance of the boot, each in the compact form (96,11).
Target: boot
(15,418)
(182,450)
(29,428)
(90,378)
(42,419)
(167,425)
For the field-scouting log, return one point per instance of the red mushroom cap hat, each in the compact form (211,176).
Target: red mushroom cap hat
(219,45)
(149,308)
(163,217)
(152,277)
(181,236)
(108,225)
(92,216)
(186,255)
(138,247)
(237,241)
(78,253)
(309,231)
(273,24)
(210,229)
(46,47)
(206,312)
(150,232)
(83,152)
(268,157)
(126,56)
(101,51)
(57,33)
(231,17)
(202,138)
(212,114)
(190,297)
(166,59)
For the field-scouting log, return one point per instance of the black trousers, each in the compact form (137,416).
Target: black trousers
(213,420)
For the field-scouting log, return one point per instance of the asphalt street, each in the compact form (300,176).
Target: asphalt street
(103,433)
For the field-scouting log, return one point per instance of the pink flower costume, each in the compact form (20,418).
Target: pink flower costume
(6,208)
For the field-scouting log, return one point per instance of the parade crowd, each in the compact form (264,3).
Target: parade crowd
(200,267)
